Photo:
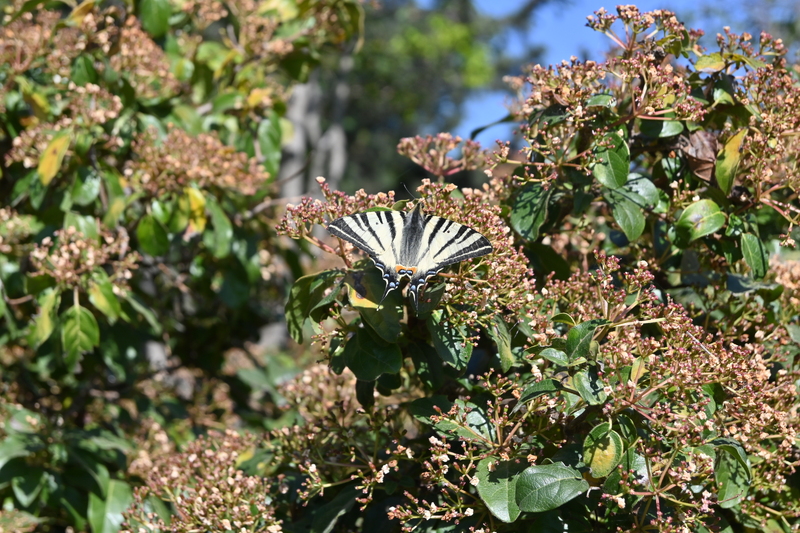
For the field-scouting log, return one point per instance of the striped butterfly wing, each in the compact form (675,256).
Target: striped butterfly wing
(379,234)
(444,242)
(414,245)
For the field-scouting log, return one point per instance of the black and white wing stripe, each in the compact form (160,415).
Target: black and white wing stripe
(410,244)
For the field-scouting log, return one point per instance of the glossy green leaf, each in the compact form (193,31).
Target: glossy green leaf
(613,162)
(544,487)
(499,333)
(28,485)
(79,331)
(700,219)
(325,517)
(634,468)
(661,128)
(45,321)
(626,207)
(86,186)
(269,142)
(579,337)
(590,387)
(556,356)
(602,450)
(154,15)
(728,162)
(601,100)
(545,386)
(223,230)
(365,291)
(732,479)
(105,514)
(530,210)
(477,425)
(450,343)
(755,254)
(305,295)
(497,487)
(153,238)
(86,225)
(369,357)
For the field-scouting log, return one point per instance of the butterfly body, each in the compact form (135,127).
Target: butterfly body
(412,245)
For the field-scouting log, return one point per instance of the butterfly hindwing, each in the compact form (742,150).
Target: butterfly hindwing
(414,245)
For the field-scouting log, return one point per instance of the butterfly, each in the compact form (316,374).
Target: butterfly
(412,245)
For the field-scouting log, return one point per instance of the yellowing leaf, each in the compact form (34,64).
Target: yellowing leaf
(258,96)
(728,161)
(76,17)
(197,210)
(53,156)
(710,63)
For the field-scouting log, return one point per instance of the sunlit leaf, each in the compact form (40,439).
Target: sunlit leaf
(50,161)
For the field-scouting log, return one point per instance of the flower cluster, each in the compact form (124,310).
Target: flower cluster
(207,489)
(69,257)
(170,165)
(143,62)
(431,153)
(88,106)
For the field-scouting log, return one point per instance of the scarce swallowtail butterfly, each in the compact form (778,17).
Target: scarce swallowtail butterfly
(413,245)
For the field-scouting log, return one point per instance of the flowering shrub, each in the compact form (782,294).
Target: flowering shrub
(653,388)
(624,359)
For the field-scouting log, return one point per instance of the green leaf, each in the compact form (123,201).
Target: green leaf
(154,15)
(269,142)
(563,318)
(545,386)
(732,479)
(530,210)
(86,186)
(698,220)
(79,331)
(83,70)
(580,336)
(105,514)
(450,343)
(613,162)
(86,225)
(12,446)
(428,365)
(45,321)
(602,450)
(152,236)
(590,387)
(28,485)
(476,425)
(556,356)
(544,487)
(502,338)
(101,294)
(601,100)
(660,128)
(223,230)
(368,356)
(626,207)
(634,468)
(144,311)
(728,161)
(497,487)
(305,295)
(736,450)
(755,254)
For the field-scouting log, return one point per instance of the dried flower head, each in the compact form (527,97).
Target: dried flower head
(164,167)
(69,258)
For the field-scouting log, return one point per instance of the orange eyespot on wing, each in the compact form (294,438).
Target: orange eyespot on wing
(405,271)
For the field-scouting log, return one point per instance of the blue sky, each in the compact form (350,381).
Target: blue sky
(561,28)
